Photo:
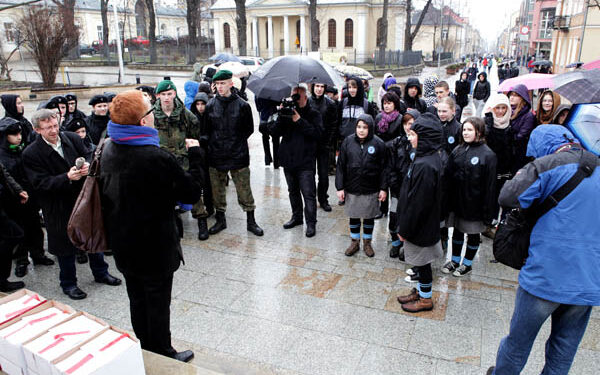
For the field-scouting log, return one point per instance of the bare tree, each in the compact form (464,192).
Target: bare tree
(152,30)
(104,14)
(382,32)
(66,9)
(314,25)
(240,22)
(193,11)
(410,33)
(44,35)
(4,59)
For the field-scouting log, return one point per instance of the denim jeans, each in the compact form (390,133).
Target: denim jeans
(568,326)
(68,272)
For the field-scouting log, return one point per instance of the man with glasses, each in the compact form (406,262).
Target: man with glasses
(50,166)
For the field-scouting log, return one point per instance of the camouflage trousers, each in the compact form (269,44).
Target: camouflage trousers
(199,210)
(241,180)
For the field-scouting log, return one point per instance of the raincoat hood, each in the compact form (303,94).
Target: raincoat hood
(414,113)
(413,82)
(9,102)
(429,89)
(523,92)
(201,96)
(561,108)
(360,92)
(429,129)
(484,74)
(546,139)
(369,121)
(191,89)
(312,91)
(5,123)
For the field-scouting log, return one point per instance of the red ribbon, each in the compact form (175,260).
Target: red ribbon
(51,345)
(59,338)
(124,335)
(61,335)
(32,323)
(79,364)
(33,297)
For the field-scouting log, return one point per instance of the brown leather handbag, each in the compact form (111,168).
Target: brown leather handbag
(86,224)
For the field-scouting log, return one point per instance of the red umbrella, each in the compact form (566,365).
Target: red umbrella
(531,81)
(592,65)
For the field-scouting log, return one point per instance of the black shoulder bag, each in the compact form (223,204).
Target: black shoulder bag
(511,244)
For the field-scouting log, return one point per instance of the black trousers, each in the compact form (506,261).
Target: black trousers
(28,218)
(10,235)
(150,308)
(275,157)
(301,184)
(323,154)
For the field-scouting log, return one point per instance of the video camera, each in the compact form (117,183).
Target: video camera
(288,105)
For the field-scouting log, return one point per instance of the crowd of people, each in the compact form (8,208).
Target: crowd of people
(420,156)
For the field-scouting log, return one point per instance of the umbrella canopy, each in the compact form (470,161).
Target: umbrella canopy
(531,81)
(592,65)
(584,122)
(224,56)
(353,71)
(574,65)
(542,63)
(579,86)
(237,69)
(275,79)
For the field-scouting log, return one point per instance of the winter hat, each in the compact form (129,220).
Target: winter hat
(59,99)
(97,99)
(75,125)
(494,101)
(10,126)
(222,75)
(165,85)
(109,95)
(388,82)
(71,96)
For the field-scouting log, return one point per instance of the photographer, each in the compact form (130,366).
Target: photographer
(301,128)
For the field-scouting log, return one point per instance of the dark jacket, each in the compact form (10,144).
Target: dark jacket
(328,110)
(472,73)
(140,186)
(201,97)
(9,102)
(9,192)
(11,157)
(414,103)
(351,108)
(298,147)
(482,88)
(47,172)
(398,162)
(96,126)
(472,178)
(419,201)
(394,129)
(521,126)
(452,134)
(229,125)
(500,141)
(362,167)
(69,117)
(462,89)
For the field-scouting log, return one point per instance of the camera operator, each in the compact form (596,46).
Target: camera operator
(301,128)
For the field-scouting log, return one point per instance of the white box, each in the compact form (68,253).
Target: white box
(11,368)
(16,304)
(112,352)
(30,325)
(60,340)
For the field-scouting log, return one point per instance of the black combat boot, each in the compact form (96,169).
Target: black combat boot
(220,224)
(202,229)
(251,224)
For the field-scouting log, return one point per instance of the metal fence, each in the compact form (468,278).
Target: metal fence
(397,58)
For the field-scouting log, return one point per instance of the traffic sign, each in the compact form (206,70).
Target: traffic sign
(524,30)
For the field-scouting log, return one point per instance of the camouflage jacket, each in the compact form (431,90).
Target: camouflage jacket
(174,129)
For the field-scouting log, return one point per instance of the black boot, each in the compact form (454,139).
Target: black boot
(10,286)
(81,257)
(394,251)
(251,224)
(202,229)
(21,269)
(220,224)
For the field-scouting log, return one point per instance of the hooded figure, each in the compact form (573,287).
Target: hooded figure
(561,113)
(77,125)
(383,88)
(429,90)
(482,88)
(499,135)
(547,117)
(200,97)
(9,102)
(72,114)
(352,107)
(414,102)
(191,89)
(522,122)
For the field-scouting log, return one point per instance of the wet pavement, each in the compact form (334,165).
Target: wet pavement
(287,304)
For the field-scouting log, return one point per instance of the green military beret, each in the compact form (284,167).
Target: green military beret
(222,75)
(165,85)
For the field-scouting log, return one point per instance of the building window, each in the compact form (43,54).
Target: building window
(99,28)
(163,29)
(331,33)
(317,34)
(227,35)
(546,20)
(379,32)
(9,30)
(267,33)
(348,33)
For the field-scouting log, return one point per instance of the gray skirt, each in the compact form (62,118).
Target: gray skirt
(465,226)
(362,206)
(420,256)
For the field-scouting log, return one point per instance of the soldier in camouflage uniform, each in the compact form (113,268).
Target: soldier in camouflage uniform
(174,124)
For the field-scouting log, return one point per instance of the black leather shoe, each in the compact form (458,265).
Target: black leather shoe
(220,224)
(292,223)
(109,280)
(341,203)
(43,260)
(81,257)
(326,207)
(75,293)
(108,253)
(185,356)
(21,270)
(310,230)
(202,229)
(10,286)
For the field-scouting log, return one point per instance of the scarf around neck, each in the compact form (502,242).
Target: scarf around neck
(133,135)
(386,119)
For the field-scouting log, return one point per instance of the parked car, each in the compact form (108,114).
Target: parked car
(86,49)
(138,41)
(166,40)
(252,62)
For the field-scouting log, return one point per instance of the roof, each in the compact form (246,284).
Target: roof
(432,17)
(95,5)
(230,4)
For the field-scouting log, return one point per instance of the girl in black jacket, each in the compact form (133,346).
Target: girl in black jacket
(462,87)
(361,181)
(419,209)
(472,179)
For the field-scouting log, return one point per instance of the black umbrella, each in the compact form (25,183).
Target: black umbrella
(275,79)
(542,63)
(579,86)
(575,64)
(224,57)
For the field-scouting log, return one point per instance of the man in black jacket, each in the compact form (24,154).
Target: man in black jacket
(328,110)
(50,167)
(140,182)
(300,134)
(229,124)
(98,120)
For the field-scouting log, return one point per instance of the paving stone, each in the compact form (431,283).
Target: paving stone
(382,360)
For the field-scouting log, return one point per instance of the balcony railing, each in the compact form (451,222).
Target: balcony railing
(561,22)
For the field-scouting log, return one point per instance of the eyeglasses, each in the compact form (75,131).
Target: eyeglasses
(147,113)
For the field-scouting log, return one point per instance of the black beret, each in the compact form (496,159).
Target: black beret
(71,96)
(96,99)
(110,95)
(75,125)
(59,99)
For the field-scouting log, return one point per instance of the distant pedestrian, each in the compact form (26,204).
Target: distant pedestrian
(522,123)
(481,93)
(462,89)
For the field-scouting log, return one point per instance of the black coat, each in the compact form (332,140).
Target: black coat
(9,101)
(394,130)
(419,200)
(472,178)
(77,115)
(298,147)
(481,91)
(452,134)
(500,141)
(398,161)
(229,124)
(362,167)
(328,110)
(47,172)
(96,126)
(416,102)
(462,89)
(140,186)
(9,191)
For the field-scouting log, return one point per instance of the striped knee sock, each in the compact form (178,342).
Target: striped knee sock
(424,290)
(355,228)
(368,225)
